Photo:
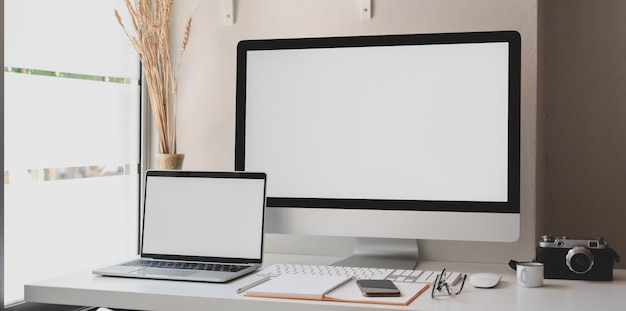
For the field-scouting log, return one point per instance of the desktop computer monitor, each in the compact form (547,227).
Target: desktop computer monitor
(387,138)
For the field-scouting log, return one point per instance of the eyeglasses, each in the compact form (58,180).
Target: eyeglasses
(451,289)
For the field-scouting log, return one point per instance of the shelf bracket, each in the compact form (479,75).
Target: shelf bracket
(229,12)
(366,9)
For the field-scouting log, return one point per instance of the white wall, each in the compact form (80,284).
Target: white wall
(207,85)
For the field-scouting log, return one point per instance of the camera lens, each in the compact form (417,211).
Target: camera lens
(579,260)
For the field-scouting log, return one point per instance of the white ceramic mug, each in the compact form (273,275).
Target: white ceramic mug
(529,274)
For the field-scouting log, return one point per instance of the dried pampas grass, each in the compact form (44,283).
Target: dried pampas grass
(150,35)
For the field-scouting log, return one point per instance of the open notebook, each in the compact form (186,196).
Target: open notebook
(199,226)
(331,288)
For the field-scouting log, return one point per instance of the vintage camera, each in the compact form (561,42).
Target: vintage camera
(573,259)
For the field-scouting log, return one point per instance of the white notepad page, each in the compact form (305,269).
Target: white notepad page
(298,286)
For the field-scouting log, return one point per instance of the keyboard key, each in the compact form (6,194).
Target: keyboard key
(416,273)
(423,278)
(453,278)
(432,277)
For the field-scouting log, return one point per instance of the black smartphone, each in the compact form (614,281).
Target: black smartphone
(378,288)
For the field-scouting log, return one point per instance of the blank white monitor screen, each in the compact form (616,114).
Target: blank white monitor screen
(411,123)
(400,125)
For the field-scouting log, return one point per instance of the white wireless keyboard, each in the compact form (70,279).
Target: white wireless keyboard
(396,275)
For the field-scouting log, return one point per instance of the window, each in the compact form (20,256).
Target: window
(71,140)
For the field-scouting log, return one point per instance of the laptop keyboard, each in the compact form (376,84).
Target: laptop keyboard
(186,265)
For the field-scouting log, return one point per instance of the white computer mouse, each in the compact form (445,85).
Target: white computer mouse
(484,280)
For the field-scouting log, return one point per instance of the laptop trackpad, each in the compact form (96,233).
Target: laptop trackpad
(165,272)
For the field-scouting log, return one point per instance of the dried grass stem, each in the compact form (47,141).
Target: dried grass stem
(150,36)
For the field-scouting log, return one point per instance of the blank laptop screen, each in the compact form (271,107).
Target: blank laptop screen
(206,217)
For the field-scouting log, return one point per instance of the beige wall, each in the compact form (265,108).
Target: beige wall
(582,120)
(207,85)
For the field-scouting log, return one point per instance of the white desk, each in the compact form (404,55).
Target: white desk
(85,289)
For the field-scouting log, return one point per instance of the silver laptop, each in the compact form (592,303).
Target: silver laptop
(199,226)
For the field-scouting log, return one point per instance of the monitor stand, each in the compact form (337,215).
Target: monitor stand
(383,253)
